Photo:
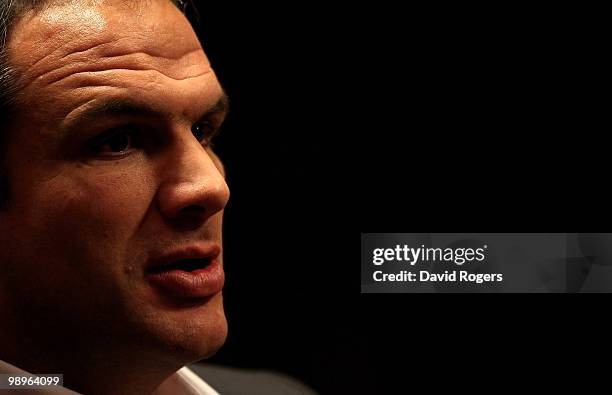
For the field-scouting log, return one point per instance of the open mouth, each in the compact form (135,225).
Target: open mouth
(189,273)
(186,265)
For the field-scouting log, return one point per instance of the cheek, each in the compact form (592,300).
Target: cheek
(87,216)
(111,200)
(74,236)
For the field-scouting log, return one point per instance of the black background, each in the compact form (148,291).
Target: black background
(439,118)
(292,290)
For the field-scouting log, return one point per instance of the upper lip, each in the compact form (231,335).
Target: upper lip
(207,251)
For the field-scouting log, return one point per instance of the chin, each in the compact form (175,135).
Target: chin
(206,330)
(186,334)
(213,343)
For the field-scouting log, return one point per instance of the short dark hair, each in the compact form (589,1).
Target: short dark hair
(10,11)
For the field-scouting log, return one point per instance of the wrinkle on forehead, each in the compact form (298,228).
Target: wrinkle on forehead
(72,35)
(52,28)
(189,65)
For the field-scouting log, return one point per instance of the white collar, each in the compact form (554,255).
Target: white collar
(183,382)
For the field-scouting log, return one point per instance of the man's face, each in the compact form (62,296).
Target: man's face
(108,176)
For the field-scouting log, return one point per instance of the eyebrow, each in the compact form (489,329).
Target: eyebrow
(125,107)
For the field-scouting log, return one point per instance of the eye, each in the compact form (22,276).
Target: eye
(116,141)
(203,131)
(119,142)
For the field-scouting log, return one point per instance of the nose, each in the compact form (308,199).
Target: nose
(193,187)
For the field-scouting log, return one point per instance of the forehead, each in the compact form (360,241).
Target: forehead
(150,26)
(73,51)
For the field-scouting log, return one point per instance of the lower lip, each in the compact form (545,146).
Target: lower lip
(187,285)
